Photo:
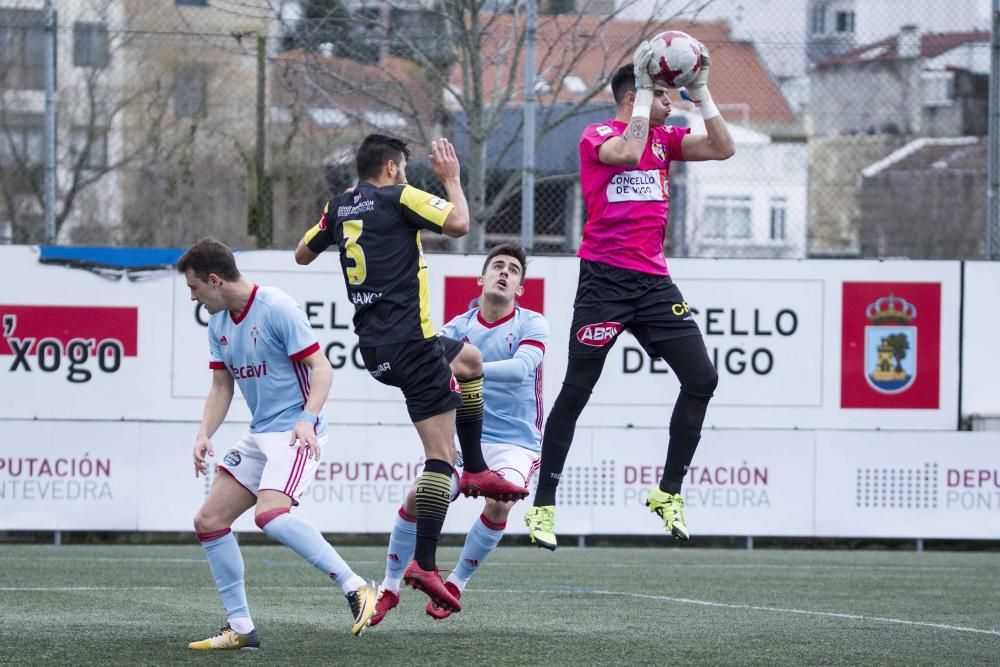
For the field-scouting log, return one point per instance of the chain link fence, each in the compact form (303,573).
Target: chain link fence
(861,128)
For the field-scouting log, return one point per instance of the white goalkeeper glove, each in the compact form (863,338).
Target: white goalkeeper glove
(643,56)
(643,81)
(697,91)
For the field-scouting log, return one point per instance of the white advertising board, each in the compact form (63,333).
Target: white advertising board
(980,331)
(128,476)
(908,484)
(740,483)
(796,342)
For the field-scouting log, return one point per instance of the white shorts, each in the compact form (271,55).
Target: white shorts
(266,462)
(516,464)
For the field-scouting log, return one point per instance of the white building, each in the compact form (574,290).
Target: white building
(835,26)
(754,204)
(89,68)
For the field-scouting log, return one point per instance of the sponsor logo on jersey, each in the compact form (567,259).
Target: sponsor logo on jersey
(322,220)
(223,341)
(249,371)
(598,335)
(365,298)
(637,185)
(367,206)
(233,458)
(604,130)
(382,368)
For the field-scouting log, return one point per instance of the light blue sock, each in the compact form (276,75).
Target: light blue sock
(402,543)
(479,543)
(226,562)
(303,538)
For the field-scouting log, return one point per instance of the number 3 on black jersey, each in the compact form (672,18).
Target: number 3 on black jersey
(352,232)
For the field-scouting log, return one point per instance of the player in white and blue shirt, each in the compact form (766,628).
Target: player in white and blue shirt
(512,341)
(263,349)
(260,337)
(512,348)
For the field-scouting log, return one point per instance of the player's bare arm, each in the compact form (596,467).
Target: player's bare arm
(320,380)
(444,162)
(303,255)
(717,143)
(220,397)
(627,149)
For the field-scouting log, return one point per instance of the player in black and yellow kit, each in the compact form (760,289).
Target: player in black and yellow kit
(376,226)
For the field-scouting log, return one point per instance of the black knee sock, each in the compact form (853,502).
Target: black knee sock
(559,430)
(469,424)
(690,362)
(433,497)
(685,433)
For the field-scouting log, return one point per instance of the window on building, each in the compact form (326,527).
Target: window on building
(575,84)
(329,117)
(384,118)
(90,44)
(22,49)
(22,140)
(845,22)
(727,218)
(819,19)
(778,211)
(937,88)
(191,92)
(94,142)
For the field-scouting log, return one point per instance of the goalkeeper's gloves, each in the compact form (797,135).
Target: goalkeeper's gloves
(643,56)
(697,91)
(643,81)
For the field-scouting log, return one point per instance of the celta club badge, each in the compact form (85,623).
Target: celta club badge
(890,345)
(253,335)
(660,151)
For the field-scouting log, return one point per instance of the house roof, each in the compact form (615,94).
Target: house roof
(312,80)
(926,154)
(575,54)
(932,45)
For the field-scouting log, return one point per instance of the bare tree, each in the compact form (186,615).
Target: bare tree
(470,57)
(91,104)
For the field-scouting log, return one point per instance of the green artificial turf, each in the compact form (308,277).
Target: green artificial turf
(76,605)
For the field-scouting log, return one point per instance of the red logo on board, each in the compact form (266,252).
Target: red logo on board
(77,339)
(891,345)
(462,294)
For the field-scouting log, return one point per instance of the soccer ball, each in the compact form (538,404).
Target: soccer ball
(676,58)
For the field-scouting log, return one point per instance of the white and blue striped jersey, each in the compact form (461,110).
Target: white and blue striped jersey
(263,350)
(512,349)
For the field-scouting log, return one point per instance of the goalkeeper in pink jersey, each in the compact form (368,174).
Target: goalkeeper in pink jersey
(624,283)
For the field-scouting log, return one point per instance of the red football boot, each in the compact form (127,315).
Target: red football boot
(440,613)
(491,484)
(430,583)
(387,601)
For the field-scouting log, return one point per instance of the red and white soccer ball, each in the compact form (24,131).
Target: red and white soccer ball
(676,59)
